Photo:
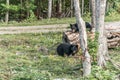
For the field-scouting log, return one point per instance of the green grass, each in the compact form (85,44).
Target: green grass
(112,18)
(56,21)
(40,22)
(31,64)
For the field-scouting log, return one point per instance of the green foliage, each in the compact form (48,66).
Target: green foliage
(25,43)
(112,17)
(93,46)
(11,7)
(102,74)
(18,9)
(32,17)
(33,75)
(114,7)
(14,8)
(98,73)
(29,5)
(42,22)
(20,60)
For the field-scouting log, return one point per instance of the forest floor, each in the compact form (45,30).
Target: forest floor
(46,28)
(21,58)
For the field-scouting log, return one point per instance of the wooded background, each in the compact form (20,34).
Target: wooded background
(19,10)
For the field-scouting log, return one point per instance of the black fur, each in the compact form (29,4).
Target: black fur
(66,48)
(74,27)
(88,25)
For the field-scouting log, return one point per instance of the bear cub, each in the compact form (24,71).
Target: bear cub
(67,49)
(74,27)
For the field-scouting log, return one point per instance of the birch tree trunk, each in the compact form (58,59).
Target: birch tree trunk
(97,14)
(102,41)
(7,12)
(49,8)
(83,40)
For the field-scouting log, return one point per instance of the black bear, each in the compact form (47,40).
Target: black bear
(66,48)
(74,27)
(88,25)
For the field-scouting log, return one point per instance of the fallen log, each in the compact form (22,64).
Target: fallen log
(117,39)
(113,39)
(113,45)
(112,34)
(70,37)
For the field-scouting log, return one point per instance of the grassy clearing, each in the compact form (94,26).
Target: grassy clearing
(56,21)
(29,63)
(21,60)
(40,22)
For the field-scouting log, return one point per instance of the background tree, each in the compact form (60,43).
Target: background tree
(24,9)
(93,21)
(83,40)
(7,11)
(82,9)
(49,8)
(102,41)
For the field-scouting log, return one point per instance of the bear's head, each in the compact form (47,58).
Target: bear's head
(74,27)
(74,48)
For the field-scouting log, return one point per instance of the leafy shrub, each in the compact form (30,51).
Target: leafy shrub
(93,46)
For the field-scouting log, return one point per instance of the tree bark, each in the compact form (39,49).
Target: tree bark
(102,41)
(28,11)
(83,39)
(82,12)
(71,6)
(7,12)
(21,10)
(97,14)
(60,6)
(92,2)
(49,8)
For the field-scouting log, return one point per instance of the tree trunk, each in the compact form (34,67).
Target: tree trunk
(89,5)
(71,8)
(102,41)
(97,14)
(82,12)
(92,2)
(21,2)
(107,6)
(7,12)
(28,12)
(64,7)
(60,6)
(49,8)
(38,10)
(83,40)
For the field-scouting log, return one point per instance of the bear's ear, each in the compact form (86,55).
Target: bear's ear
(70,24)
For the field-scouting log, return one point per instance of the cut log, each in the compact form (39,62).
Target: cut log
(117,39)
(72,38)
(112,34)
(113,44)
(113,38)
